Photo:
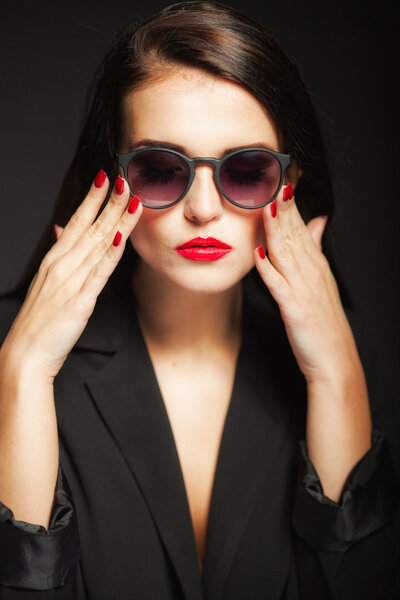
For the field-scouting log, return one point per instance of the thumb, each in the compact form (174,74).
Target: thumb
(316,228)
(58,230)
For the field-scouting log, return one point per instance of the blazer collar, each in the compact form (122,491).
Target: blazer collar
(127,394)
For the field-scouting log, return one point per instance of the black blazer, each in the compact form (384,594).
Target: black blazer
(121,526)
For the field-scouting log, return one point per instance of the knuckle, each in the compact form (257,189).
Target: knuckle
(116,201)
(99,275)
(284,253)
(102,247)
(323,261)
(76,220)
(294,235)
(83,304)
(56,270)
(96,230)
(46,263)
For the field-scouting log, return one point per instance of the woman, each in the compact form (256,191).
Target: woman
(182,388)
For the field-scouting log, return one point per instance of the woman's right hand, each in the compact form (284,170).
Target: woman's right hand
(74,271)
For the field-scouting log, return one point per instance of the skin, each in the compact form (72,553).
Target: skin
(202,300)
(196,327)
(58,304)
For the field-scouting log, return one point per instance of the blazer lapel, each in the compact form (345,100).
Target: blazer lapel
(257,426)
(127,395)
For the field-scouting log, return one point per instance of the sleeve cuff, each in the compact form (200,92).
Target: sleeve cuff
(34,557)
(368,501)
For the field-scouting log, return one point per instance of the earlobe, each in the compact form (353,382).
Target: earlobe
(293,173)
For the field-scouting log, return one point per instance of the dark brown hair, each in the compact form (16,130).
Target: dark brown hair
(220,41)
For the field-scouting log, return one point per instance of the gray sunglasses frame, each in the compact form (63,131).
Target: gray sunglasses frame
(283,159)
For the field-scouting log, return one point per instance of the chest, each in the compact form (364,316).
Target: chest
(197,397)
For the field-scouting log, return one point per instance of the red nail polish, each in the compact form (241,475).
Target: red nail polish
(134,203)
(261,252)
(100,179)
(273,208)
(287,193)
(119,185)
(117,238)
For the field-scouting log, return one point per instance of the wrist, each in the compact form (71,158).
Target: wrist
(341,385)
(338,369)
(19,368)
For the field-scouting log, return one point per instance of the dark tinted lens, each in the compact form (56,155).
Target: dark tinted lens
(250,178)
(158,177)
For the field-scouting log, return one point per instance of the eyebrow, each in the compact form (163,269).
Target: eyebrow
(148,143)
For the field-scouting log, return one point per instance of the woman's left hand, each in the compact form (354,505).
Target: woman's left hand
(338,427)
(299,278)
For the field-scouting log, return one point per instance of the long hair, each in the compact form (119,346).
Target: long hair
(218,40)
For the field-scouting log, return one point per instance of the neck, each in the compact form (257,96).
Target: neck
(174,318)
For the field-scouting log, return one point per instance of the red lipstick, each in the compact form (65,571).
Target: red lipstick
(203,249)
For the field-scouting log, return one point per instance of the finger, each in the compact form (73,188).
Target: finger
(96,279)
(316,229)
(85,214)
(274,281)
(279,247)
(64,271)
(82,218)
(78,223)
(125,224)
(94,239)
(111,213)
(300,236)
(295,232)
(293,229)
(84,261)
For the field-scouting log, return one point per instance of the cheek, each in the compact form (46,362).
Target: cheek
(147,230)
(153,235)
(142,237)
(258,231)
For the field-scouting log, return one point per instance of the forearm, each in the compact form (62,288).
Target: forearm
(338,428)
(28,443)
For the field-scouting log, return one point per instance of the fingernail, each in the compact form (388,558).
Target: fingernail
(117,238)
(261,252)
(55,229)
(100,179)
(273,208)
(119,185)
(287,193)
(134,203)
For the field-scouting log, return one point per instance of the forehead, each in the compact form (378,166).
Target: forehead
(203,113)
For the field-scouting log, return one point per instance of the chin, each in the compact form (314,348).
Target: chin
(202,281)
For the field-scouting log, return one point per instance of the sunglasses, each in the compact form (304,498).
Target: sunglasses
(248,178)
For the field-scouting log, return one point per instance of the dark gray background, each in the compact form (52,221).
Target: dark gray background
(348,56)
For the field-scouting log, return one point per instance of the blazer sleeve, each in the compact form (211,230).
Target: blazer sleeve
(368,501)
(350,548)
(33,557)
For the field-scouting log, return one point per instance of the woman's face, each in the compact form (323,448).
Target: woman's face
(203,116)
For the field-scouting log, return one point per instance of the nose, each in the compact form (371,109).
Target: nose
(203,201)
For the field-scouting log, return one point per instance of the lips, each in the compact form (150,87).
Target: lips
(204,249)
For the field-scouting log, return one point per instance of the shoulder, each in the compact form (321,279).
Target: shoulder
(9,308)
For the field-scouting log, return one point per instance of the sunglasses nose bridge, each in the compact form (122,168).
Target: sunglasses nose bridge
(204,160)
